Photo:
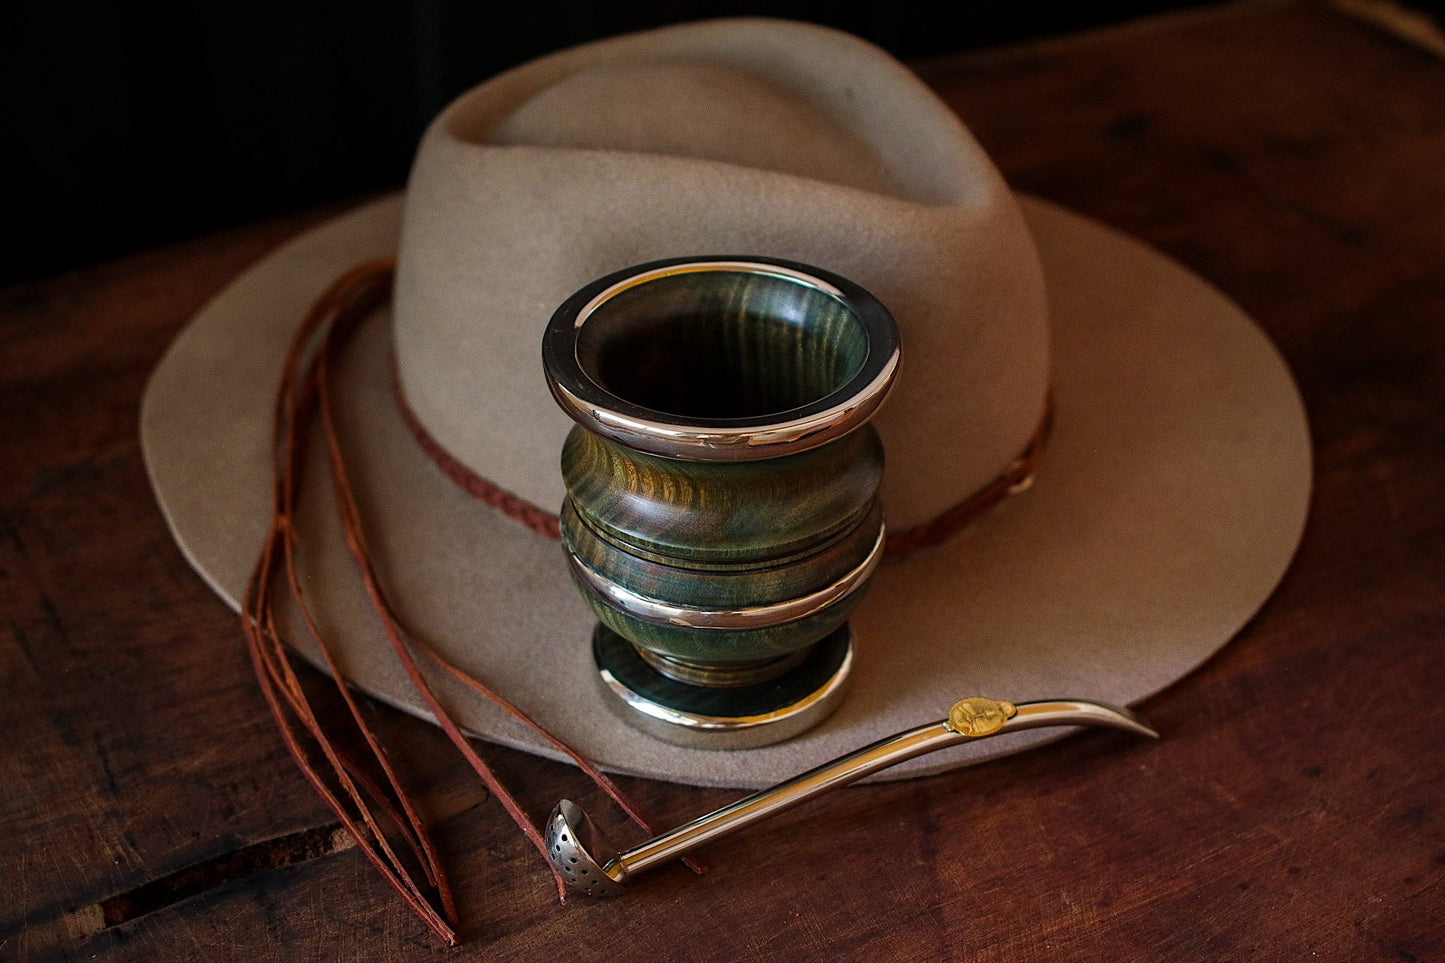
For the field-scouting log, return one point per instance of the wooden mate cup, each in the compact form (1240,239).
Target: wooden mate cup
(722,516)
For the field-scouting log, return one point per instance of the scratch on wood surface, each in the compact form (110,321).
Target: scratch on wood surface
(248,861)
(13,570)
(73,926)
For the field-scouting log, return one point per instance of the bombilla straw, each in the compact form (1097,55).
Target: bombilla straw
(578,849)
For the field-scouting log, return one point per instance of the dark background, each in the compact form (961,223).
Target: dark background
(127,124)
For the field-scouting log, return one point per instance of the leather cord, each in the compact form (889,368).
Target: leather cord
(371,812)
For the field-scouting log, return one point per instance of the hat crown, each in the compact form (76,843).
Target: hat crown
(733,137)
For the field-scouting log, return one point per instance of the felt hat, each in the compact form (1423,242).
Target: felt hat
(1166,506)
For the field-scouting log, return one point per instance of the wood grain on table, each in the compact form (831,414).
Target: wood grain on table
(1295,809)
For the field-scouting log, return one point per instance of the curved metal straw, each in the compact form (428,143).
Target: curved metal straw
(591,865)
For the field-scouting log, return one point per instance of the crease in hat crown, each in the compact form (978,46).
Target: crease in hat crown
(754,137)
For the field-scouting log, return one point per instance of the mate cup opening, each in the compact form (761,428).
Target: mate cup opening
(721,358)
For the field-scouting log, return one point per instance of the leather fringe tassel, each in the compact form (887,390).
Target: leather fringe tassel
(363,806)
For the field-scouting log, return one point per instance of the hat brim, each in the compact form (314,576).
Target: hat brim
(1169,503)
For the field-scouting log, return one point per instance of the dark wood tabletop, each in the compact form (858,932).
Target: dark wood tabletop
(1295,808)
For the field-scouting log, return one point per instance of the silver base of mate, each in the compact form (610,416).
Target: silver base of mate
(733,717)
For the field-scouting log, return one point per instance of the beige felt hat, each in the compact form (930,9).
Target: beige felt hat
(1168,503)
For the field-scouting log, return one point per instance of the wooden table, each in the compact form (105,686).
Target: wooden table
(1293,156)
